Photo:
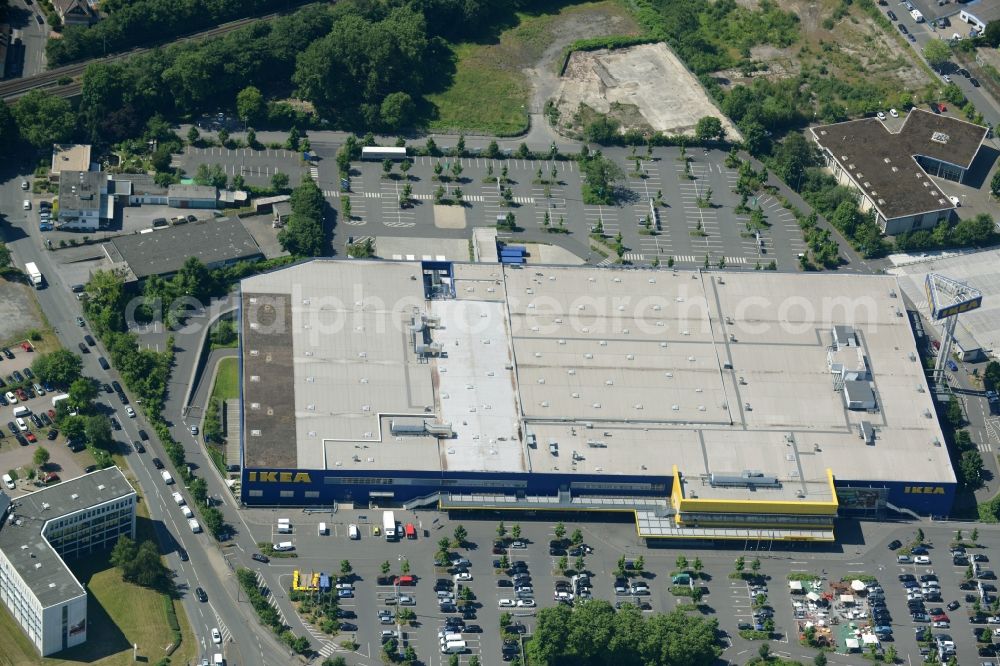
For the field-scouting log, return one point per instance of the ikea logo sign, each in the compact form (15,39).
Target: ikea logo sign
(280,477)
(923,490)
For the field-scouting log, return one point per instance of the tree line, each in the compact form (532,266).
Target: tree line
(594,633)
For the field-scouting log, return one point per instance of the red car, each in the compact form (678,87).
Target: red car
(51,477)
(940,617)
(30,436)
(26,346)
(52,415)
(21,395)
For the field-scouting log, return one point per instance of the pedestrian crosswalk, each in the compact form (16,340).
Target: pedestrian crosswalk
(314,173)
(607,261)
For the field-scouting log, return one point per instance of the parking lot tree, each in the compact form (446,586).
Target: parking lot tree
(579,564)
(562,564)
(43,119)
(82,393)
(453,660)
(61,367)
(890,655)
(681,563)
(501,530)
(503,173)
(764,651)
(238,182)
(620,570)
(506,619)
(210,175)
(740,564)
(250,104)
(559,531)
(577,537)
(602,177)
(515,531)
(492,150)
(819,659)
(438,170)
(41,456)
(345,567)
(73,427)
(404,567)
(460,145)
(461,534)
(755,565)
(406,615)
(504,562)
(251,138)
(639,565)
(409,655)
(334,661)
(474,660)
(404,168)
(279,181)
(223,135)
(974,537)
(456,170)
(404,197)
(385,567)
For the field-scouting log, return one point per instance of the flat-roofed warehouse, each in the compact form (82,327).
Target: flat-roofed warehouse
(710,405)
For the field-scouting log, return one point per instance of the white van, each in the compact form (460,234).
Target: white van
(21,411)
(21,425)
(193,524)
(917,16)
(167,479)
(284,546)
(284,528)
(217,660)
(450,638)
(353,532)
(178,498)
(9,482)
(453,647)
(321,529)
(186,510)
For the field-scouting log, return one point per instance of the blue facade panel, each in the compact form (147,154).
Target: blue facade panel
(927,499)
(301,487)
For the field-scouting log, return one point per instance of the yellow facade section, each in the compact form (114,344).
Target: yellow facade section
(787,507)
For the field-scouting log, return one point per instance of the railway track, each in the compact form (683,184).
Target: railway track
(49,79)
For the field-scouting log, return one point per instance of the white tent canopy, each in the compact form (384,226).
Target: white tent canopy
(858,585)
(795,585)
(812,596)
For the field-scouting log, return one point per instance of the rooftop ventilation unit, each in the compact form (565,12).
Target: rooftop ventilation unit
(748,479)
(939,137)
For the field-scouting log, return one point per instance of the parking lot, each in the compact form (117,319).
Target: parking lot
(17,444)
(256,166)
(826,574)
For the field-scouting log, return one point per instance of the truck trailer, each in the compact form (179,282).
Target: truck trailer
(389,525)
(34,274)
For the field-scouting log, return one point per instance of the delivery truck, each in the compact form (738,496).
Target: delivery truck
(34,274)
(389,525)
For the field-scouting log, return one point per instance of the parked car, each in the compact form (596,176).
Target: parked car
(895,544)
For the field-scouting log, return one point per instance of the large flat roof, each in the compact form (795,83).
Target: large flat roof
(627,372)
(81,190)
(884,163)
(977,269)
(31,555)
(164,251)
(70,157)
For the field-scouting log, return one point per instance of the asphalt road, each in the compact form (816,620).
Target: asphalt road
(28,58)
(208,567)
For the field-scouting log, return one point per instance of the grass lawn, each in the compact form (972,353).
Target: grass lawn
(118,615)
(226,380)
(490,91)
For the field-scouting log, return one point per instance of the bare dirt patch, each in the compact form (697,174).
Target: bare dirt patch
(18,312)
(449,217)
(646,81)
(853,47)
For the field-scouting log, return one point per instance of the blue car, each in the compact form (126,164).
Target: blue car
(952,366)
(345,594)
(883,629)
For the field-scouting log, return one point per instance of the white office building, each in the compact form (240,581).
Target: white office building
(40,533)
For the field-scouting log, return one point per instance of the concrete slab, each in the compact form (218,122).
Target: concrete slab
(449,217)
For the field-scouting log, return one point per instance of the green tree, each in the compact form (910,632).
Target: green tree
(764,651)
(199,490)
(250,104)
(279,181)
(755,565)
(602,176)
(345,567)
(396,110)
(709,128)
(953,412)
(385,567)
(936,53)
(41,456)
(559,531)
(515,531)
(995,181)
(82,393)
(820,659)
(386,167)
(576,538)
(404,168)
(992,34)
(43,119)
(970,468)
(456,170)
(681,563)
(974,537)
(740,564)
(60,367)
(501,530)
(304,234)
(461,534)
(404,567)
(562,564)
